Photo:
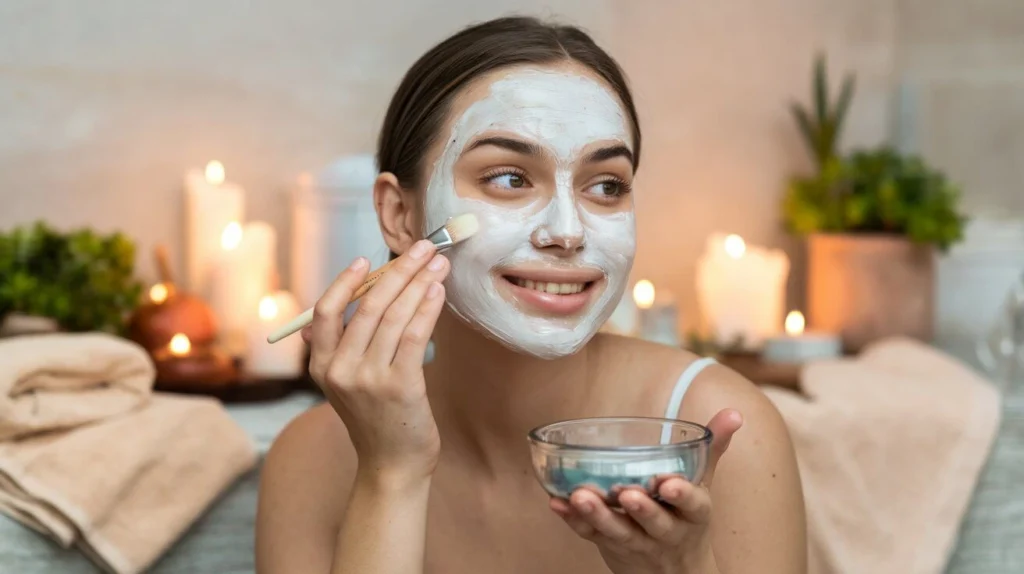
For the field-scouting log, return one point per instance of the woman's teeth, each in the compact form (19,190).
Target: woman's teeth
(554,288)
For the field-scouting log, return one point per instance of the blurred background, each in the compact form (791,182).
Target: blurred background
(849,165)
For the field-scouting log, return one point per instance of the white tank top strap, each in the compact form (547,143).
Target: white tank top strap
(683,384)
(679,391)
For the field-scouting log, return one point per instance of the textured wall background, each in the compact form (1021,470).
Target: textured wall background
(105,104)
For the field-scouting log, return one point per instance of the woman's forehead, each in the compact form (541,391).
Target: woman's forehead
(563,107)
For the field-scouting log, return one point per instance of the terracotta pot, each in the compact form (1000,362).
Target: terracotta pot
(867,287)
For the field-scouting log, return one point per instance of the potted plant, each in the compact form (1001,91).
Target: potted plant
(874,219)
(74,281)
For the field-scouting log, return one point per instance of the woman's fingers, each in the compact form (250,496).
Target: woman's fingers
(328,313)
(397,318)
(610,525)
(373,305)
(412,346)
(656,520)
(723,425)
(692,502)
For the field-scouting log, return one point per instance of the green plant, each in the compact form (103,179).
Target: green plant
(81,279)
(867,191)
(822,125)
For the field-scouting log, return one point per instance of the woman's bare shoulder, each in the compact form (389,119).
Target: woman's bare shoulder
(304,484)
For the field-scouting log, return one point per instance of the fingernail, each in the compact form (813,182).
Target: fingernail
(419,249)
(673,492)
(632,507)
(434,290)
(357,264)
(586,507)
(437,263)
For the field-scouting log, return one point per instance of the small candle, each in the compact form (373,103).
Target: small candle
(741,289)
(180,364)
(658,315)
(284,358)
(211,203)
(797,346)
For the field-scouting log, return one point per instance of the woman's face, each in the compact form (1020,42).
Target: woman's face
(543,157)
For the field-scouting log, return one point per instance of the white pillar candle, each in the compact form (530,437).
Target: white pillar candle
(798,346)
(283,359)
(741,290)
(211,203)
(241,276)
(658,316)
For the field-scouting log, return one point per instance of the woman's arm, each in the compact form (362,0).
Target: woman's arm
(758,522)
(316,515)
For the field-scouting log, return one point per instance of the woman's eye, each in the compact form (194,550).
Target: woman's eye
(509,181)
(607,189)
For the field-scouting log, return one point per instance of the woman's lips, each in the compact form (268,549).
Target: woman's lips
(561,292)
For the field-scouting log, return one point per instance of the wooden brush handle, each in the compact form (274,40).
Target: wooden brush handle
(298,323)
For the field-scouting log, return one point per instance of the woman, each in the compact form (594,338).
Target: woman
(413,468)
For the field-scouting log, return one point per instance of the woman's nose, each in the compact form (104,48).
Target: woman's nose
(561,228)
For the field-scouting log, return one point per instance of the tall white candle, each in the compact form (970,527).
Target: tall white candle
(283,359)
(211,203)
(241,276)
(741,290)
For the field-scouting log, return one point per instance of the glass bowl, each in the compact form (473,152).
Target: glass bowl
(610,454)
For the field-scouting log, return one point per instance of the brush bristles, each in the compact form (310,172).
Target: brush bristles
(462,227)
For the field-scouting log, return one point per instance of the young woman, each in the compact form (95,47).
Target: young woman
(426,468)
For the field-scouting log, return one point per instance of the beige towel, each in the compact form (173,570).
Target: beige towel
(890,447)
(124,487)
(61,380)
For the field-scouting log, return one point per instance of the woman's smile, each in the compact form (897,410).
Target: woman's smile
(558,292)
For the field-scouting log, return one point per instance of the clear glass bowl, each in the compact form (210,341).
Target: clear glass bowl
(610,454)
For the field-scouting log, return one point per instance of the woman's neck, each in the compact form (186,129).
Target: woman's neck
(486,397)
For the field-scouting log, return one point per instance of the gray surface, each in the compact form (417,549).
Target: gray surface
(221,541)
(992,536)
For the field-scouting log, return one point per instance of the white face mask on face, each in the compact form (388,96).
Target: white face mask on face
(563,113)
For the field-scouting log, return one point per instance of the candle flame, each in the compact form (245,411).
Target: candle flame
(643,294)
(268,308)
(231,237)
(735,247)
(158,293)
(215,173)
(180,345)
(795,323)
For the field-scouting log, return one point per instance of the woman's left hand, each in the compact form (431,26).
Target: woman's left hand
(649,537)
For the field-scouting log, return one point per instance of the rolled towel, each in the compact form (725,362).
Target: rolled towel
(62,380)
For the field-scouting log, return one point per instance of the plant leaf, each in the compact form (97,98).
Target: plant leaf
(803,121)
(842,106)
(821,89)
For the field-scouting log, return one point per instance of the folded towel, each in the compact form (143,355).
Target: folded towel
(92,458)
(890,447)
(125,489)
(60,380)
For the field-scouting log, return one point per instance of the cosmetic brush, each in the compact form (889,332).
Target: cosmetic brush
(455,230)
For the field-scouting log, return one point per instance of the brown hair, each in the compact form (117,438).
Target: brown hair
(423,99)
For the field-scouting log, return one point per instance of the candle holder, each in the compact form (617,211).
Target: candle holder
(183,368)
(169,311)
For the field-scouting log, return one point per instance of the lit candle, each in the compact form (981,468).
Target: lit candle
(182,365)
(211,203)
(741,290)
(240,278)
(798,346)
(658,316)
(284,358)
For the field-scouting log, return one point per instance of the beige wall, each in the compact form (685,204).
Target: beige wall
(105,104)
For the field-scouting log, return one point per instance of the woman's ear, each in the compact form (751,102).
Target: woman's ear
(397,213)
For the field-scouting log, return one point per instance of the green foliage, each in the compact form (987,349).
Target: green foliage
(868,191)
(822,125)
(877,191)
(83,280)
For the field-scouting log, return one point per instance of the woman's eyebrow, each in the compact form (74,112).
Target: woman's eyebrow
(513,145)
(606,153)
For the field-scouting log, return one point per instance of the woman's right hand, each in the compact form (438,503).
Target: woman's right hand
(371,370)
